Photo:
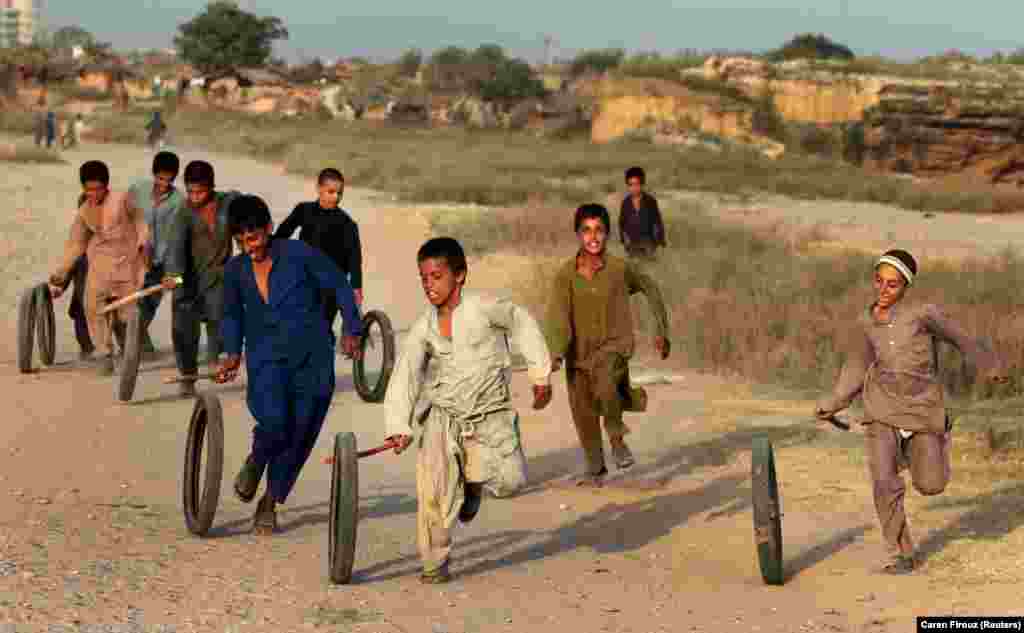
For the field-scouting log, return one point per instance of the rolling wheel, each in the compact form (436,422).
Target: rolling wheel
(130,358)
(767,511)
(372,372)
(46,326)
(344,515)
(201,487)
(26,329)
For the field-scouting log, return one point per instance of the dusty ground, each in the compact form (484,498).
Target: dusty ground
(91,529)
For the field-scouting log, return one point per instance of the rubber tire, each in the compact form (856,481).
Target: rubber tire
(767,511)
(26,329)
(205,426)
(46,325)
(129,373)
(376,393)
(344,514)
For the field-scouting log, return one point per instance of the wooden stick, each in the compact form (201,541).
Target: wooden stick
(370,451)
(204,376)
(135,296)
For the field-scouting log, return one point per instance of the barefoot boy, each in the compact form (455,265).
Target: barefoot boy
(451,381)
(893,365)
(326,226)
(289,349)
(112,233)
(591,326)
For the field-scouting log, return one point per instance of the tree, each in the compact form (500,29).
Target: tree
(513,80)
(597,61)
(810,46)
(410,62)
(449,56)
(224,36)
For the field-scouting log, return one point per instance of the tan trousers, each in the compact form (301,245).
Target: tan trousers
(101,325)
(928,458)
(446,462)
(593,395)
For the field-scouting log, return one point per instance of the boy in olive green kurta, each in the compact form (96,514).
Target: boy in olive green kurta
(590,325)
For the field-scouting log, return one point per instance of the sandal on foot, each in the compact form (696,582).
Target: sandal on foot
(592,480)
(248,480)
(899,566)
(474,494)
(436,577)
(264,523)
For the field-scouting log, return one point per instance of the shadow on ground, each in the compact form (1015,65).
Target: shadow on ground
(989,516)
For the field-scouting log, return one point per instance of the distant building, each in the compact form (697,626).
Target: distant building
(19,22)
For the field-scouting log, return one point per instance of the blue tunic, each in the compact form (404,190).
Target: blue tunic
(289,349)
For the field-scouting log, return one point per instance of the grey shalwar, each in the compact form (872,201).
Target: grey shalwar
(457,390)
(160,214)
(894,366)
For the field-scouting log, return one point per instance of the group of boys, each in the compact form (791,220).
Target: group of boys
(449,388)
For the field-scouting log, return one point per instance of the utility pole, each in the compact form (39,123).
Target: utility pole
(548,41)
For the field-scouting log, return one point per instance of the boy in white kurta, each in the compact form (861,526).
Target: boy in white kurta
(452,380)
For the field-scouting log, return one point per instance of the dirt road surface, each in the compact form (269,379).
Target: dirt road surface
(92,532)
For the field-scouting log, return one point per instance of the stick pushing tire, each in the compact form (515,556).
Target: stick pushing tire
(201,486)
(26,329)
(767,511)
(344,514)
(129,373)
(377,332)
(46,325)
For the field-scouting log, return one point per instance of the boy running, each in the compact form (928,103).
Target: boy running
(640,225)
(326,226)
(591,327)
(199,246)
(289,349)
(894,366)
(451,381)
(112,233)
(160,201)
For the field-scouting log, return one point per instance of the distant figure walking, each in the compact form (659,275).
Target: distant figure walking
(74,132)
(39,127)
(157,130)
(51,128)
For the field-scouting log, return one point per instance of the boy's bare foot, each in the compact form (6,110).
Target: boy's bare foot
(899,565)
(592,480)
(105,365)
(621,454)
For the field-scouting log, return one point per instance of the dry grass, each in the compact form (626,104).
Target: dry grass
(761,305)
(508,168)
(29,154)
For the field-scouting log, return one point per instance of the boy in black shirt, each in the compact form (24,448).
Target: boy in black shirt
(640,224)
(326,226)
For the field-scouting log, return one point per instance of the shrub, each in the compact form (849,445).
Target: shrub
(810,46)
(597,61)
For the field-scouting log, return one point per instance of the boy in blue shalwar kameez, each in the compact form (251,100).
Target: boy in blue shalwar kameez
(272,303)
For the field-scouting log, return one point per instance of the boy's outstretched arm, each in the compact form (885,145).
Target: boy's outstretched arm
(330,278)
(989,364)
(851,378)
(559,319)
(292,222)
(74,248)
(641,282)
(529,338)
(405,385)
(231,324)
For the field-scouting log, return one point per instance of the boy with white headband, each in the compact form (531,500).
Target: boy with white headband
(894,366)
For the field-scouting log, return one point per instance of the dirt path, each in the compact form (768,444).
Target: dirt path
(91,530)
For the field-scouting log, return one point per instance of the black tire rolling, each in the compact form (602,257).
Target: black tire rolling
(46,325)
(200,499)
(26,329)
(375,393)
(344,516)
(767,511)
(129,373)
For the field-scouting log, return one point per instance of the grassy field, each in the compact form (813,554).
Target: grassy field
(759,305)
(512,168)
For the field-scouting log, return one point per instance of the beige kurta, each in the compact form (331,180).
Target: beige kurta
(893,366)
(113,236)
(457,390)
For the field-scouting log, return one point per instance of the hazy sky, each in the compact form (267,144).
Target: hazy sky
(332,28)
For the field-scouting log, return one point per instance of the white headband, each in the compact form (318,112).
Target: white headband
(898,264)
